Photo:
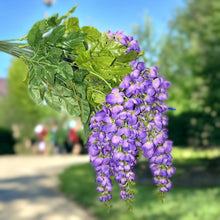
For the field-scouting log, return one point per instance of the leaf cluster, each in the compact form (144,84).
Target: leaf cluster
(73,67)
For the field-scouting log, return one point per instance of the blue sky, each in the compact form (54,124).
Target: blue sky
(18,16)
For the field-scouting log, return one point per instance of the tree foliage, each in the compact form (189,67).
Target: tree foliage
(198,25)
(188,55)
(147,39)
(18,107)
(189,58)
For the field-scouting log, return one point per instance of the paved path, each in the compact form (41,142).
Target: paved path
(28,189)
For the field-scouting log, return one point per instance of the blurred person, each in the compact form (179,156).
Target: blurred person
(41,132)
(52,136)
(74,145)
(61,138)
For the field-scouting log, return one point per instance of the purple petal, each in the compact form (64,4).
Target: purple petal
(125,82)
(93,150)
(132,90)
(133,63)
(168,146)
(150,91)
(141,134)
(115,91)
(114,99)
(100,115)
(140,79)
(149,100)
(119,122)
(156,83)
(171,171)
(122,115)
(164,189)
(148,146)
(129,104)
(149,153)
(110,99)
(111,128)
(141,66)
(97,162)
(132,119)
(135,74)
(116,109)
(166,84)
(153,72)
(116,140)
(162,96)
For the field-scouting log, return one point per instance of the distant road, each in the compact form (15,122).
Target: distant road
(28,188)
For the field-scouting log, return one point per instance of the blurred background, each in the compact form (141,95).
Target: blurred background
(182,38)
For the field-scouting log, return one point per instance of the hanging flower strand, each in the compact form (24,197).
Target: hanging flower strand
(131,120)
(97,77)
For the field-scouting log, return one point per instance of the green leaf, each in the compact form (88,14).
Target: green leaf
(53,100)
(105,48)
(98,97)
(68,13)
(48,71)
(120,70)
(84,59)
(40,27)
(65,70)
(72,106)
(35,74)
(92,33)
(90,99)
(63,90)
(35,34)
(40,50)
(79,75)
(37,93)
(78,49)
(72,24)
(56,35)
(114,49)
(73,39)
(109,73)
(86,130)
(85,108)
(81,89)
(127,57)
(54,55)
(52,21)
(103,61)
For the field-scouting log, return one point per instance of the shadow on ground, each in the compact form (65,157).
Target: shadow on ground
(192,173)
(19,188)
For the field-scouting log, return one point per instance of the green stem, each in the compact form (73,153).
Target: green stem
(15,49)
(98,91)
(23,38)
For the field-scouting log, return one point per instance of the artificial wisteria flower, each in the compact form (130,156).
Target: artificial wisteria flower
(130,123)
(115,97)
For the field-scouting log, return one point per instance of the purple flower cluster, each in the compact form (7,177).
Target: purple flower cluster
(131,122)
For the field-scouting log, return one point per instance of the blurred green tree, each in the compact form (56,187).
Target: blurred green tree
(18,107)
(197,28)
(189,57)
(147,40)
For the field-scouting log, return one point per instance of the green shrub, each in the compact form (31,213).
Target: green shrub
(197,129)
(6,142)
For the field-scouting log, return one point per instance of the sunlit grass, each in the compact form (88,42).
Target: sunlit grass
(181,203)
(195,153)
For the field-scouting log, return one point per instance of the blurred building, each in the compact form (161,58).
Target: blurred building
(3,87)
